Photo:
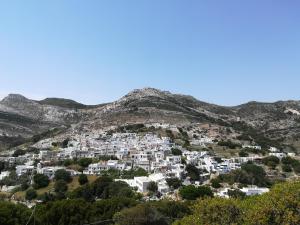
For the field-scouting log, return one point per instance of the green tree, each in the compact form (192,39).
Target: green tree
(271,161)
(174,183)
(82,179)
(65,212)
(152,187)
(40,181)
(140,215)
(193,172)
(85,162)
(243,153)
(14,214)
(60,186)
(236,193)
(18,152)
(30,194)
(215,183)
(63,175)
(216,211)
(286,168)
(176,151)
(192,193)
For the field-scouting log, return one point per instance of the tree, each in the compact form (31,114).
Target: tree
(140,215)
(176,151)
(193,172)
(64,144)
(85,162)
(243,153)
(30,194)
(60,186)
(13,214)
(68,162)
(287,160)
(279,206)
(82,179)
(256,174)
(174,183)
(152,187)
(286,168)
(18,152)
(214,211)
(271,161)
(236,193)
(215,183)
(63,175)
(66,212)
(139,172)
(40,181)
(192,193)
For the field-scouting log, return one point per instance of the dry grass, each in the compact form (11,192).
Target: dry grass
(71,186)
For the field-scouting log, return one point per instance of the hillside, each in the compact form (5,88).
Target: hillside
(21,117)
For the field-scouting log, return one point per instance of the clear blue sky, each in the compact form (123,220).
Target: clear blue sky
(225,52)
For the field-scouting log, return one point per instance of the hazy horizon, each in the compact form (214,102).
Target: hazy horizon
(226,53)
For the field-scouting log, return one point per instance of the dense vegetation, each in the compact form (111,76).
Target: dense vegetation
(249,174)
(279,206)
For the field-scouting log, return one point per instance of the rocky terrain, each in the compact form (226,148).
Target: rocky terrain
(21,118)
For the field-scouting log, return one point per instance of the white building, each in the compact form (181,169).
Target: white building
(23,169)
(279,155)
(249,191)
(257,147)
(4,174)
(142,183)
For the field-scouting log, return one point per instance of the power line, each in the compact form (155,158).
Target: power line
(32,214)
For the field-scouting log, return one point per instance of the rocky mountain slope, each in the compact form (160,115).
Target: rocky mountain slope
(21,117)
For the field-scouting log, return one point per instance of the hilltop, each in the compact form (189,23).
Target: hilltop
(22,118)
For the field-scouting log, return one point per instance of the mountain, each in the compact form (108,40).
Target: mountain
(21,117)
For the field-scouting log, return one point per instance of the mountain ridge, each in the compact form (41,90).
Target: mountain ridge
(20,116)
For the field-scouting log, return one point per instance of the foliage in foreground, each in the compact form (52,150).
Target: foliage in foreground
(280,206)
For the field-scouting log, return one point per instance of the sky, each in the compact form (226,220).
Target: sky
(95,51)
